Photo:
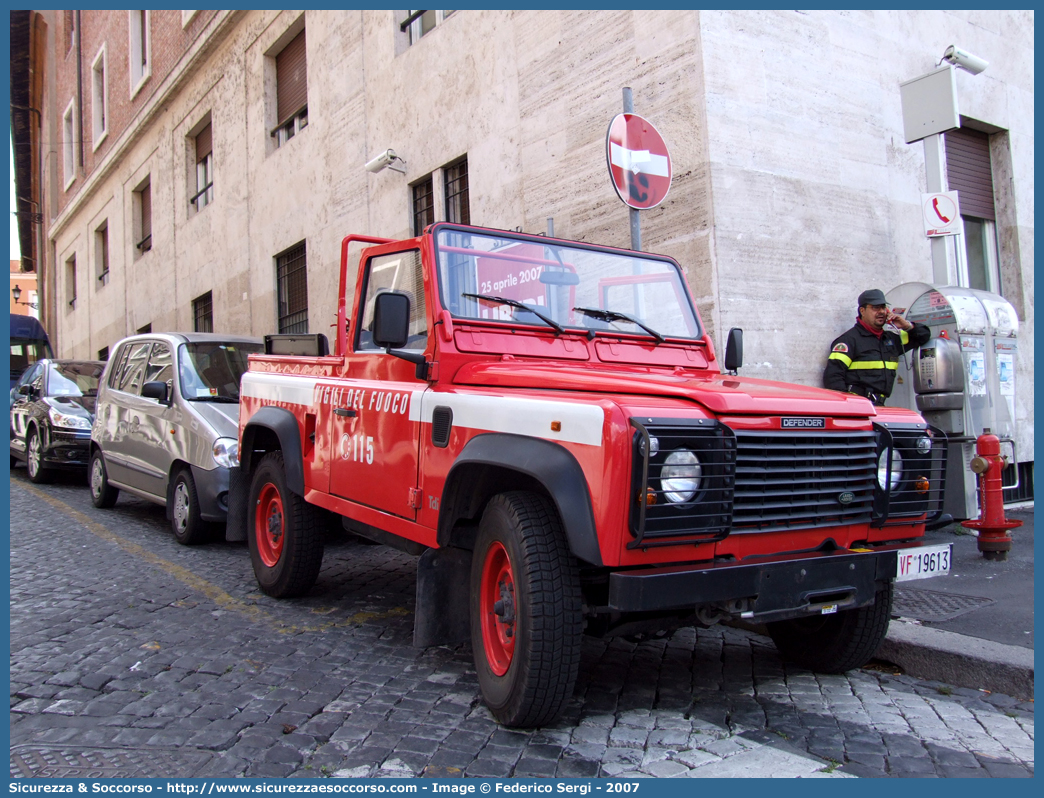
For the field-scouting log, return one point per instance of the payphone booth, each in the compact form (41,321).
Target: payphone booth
(963,380)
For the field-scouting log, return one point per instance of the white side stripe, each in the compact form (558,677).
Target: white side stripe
(532,417)
(283,388)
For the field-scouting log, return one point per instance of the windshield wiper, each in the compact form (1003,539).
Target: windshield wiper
(615,315)
(500,300)
(226,399)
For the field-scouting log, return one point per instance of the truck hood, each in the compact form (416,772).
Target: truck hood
(718,393)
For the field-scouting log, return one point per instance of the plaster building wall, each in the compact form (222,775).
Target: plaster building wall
(816,195)
(793,187)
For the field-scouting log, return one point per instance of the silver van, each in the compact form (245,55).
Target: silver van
(166,425)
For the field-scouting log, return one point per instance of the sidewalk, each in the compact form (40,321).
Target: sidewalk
(973,628)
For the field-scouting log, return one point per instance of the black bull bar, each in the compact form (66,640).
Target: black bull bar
(774,589)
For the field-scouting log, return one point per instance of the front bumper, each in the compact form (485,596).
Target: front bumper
(67,448)
(766,589)
(212,492)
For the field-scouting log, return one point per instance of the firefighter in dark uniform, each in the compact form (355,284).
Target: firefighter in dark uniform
(864,360)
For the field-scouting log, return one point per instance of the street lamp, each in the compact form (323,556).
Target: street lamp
(16,292)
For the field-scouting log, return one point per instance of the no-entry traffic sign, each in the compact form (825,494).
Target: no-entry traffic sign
(639,163)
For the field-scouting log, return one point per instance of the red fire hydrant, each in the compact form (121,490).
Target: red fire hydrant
(994,540)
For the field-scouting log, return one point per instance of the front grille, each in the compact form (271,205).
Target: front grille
(751,481)
(798,480)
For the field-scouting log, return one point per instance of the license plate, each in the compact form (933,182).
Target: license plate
(924,562)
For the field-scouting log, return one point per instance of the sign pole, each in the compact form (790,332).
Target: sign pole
(636,225)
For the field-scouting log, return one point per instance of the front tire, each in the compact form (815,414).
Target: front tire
(189,528)
(103,495)
(835,643)
(34,462)
(526,621)
(284,532)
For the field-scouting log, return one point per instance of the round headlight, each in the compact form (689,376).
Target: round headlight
(226,452)
(924,445)
(680,476)
(882,469)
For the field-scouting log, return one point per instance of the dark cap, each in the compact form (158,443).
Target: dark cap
(872,296)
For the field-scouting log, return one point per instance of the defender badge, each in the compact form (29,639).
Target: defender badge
(847,497)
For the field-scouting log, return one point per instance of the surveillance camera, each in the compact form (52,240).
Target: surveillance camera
(381,161)
(965,60)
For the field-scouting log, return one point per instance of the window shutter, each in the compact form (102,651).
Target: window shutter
(968,171)
(204,144)
(146,212)
(291,79)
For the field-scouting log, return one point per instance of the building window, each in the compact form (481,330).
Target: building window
(204,169)
(140,49)
(292,290)
(70,281)
(458,210)
(103,353)
(969,172)
(203,313)
(143,217)
(101,252)
(68,144)
(147,329)
(291,90)
(99,98)
(423,205)
(421,23)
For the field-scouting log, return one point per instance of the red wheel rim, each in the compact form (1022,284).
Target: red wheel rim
(269,525)
(498,606)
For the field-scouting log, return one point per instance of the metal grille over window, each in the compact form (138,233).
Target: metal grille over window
(203,313)
(292,284)
(458,210)
(423,206)
(204,169)
(291,89)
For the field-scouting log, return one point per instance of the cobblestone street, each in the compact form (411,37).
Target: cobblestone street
(134,652)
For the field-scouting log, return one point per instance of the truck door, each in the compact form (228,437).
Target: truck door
(375,411)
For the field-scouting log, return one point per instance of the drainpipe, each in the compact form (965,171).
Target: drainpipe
(79,85)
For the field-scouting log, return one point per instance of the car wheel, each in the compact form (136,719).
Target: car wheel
(38,472)
(835,643)
(526,620)
(284,532)
(102,493)
(189,528)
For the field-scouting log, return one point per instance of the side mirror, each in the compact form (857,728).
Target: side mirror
(391,320)
(25,390)
(734,350)
(155,390)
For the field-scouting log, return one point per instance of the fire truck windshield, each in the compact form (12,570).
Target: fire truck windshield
(492,277)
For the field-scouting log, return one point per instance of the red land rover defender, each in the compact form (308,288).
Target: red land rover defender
(545,423)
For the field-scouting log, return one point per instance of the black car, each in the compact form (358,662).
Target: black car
(52,414)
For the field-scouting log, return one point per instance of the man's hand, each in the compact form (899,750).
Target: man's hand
(899,322)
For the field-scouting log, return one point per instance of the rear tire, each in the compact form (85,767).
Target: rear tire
(103,494)
(185,521)
(39,473)
(835,643)
(526,621)
(284,532)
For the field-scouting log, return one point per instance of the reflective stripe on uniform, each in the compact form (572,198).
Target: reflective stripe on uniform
(867,365)
(843,358)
